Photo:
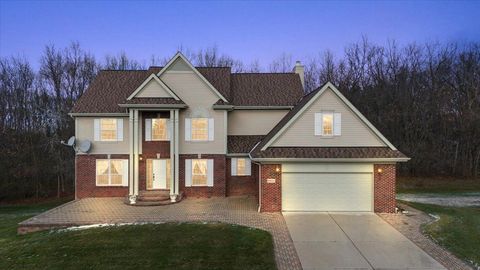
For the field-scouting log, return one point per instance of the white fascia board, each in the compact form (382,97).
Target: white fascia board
(237,155)
(180,55)
(330,160)
(345,100)
(157,79)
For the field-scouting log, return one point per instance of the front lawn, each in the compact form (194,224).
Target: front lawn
(458,229)
(161,246)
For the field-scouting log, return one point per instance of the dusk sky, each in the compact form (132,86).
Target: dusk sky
(242,30)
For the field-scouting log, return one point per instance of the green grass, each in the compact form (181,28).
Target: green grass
(458,229)
(156,246)
(442,185)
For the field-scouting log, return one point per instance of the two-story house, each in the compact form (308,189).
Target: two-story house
(200,131)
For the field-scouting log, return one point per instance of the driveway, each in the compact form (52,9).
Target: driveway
(353,241)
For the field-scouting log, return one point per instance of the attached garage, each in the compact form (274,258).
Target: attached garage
(327,187)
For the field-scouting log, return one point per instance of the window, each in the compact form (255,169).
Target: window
(159,129)
(241,167)
(199,129)
(327,124)
(111,172)
(108,129)
(199,172)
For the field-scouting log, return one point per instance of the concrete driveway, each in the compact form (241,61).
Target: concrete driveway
(353,241)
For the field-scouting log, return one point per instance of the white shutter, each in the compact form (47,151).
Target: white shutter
(188,129)
(188,172)
(210,172)
(337,124)
(169,129)
(125,172)
(211,129)
(318,124)
(148,130)
(234,167)
(96,129)
(248,167)
(120,129)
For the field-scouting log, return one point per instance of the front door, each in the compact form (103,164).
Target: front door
(158,173)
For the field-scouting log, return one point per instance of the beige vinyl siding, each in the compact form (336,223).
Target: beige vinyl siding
(153,89)
(84,130)
(354,131)
(253,122)
(199,98)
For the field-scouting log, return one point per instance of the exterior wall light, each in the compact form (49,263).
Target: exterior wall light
(141,158)
(379,170)
(277,169)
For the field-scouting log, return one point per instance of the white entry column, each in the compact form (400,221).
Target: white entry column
(131,195)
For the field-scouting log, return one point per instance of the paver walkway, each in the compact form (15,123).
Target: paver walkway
(233,210)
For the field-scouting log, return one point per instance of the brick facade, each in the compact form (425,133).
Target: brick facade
(85,170)
(384,188)
(271,193)
(219,177)
(242,185)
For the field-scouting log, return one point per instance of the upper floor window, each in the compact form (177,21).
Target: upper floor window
(241,167)
(157,129)
(199,129)
(328,124)
(108,129)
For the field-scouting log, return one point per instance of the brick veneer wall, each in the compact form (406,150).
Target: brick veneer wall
(384,188)
(241,185)
(271,193)
(85,170)
(219,177)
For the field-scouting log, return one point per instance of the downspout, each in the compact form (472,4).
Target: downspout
(259,178)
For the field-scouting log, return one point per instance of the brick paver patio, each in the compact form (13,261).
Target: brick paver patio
(233,210)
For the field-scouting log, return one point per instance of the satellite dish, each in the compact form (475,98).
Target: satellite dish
(84,146)
(71,141)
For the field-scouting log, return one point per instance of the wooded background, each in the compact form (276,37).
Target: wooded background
(425,98)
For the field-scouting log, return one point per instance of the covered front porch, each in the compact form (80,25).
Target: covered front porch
(153,154)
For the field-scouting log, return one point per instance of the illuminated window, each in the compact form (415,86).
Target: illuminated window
(199,129)
(108,129)
(327,124)
(159,129)
(199,172)
(110,172)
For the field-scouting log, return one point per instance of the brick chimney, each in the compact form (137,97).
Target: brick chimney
(300,70)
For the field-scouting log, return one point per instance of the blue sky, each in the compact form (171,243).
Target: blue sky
(243,30)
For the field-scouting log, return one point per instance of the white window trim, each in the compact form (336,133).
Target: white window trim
(331,113)
(210,131)
(166,130)
(336,128)
(97,129)
(206,172)
(124,170)
(234,169)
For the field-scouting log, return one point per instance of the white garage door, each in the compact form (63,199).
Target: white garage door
(327,187)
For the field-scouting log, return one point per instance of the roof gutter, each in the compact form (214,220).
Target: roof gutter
(97,114)
(169,106)
(232,107)
(388,160)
